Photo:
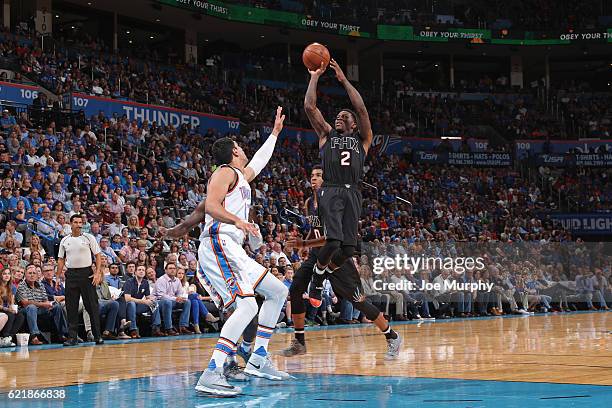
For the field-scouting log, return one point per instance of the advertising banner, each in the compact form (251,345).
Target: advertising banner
(18,93)
(92,105)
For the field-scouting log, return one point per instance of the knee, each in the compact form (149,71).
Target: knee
(130,305)
(248,307)
(31,309)
(187,304)
(192,297)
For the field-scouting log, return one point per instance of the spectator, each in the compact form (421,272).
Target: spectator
(12,233)
(32,298)
(139,301)
(169,294)
(198,308)
(8,307)
(113,278)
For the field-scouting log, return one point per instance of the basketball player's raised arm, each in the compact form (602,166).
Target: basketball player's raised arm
(262,156)
(197,216)
(363,119)
(315,117)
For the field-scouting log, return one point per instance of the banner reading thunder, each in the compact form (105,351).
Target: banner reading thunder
(92,105)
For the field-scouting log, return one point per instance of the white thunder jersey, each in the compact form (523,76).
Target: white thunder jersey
(224,264)
(237,202)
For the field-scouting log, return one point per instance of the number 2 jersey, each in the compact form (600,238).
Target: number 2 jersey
(343,158)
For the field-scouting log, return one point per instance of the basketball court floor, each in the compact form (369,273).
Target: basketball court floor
(555,360)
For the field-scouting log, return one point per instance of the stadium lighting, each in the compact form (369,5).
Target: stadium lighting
(127,32)
(57,16)
(151,37)
(157,20)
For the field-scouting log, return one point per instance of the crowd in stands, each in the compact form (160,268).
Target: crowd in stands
(129,179)
(231,85)
(130,183)
(520,15)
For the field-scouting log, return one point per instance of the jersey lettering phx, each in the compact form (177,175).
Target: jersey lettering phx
(344,143)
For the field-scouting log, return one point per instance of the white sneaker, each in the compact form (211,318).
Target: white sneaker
(214,382)
(263,367)
(523,312)
(6,342)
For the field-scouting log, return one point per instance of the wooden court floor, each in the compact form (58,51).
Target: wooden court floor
(567,349)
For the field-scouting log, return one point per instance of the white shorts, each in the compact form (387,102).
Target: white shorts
(228,269)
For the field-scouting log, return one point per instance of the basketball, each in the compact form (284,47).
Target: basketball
(314,54)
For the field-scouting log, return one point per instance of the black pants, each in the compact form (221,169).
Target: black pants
(78,284)
(340,208)
(345,282)
(12,326)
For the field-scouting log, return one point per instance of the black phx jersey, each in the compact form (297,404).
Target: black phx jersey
(343,159)
(340,197)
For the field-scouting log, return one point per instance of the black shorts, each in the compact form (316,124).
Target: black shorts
(345,281)
(340,208)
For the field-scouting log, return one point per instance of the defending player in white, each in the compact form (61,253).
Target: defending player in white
(232,273)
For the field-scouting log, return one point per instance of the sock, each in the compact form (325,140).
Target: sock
(263,337)
(223,349)
(299,336)
(389,333)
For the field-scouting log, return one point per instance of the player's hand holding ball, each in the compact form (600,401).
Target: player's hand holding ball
(316,58)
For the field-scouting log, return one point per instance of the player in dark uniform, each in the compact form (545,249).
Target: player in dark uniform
(344,281)
(343,150)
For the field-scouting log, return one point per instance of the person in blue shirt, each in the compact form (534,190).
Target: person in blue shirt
(139,300)
(113,279)
(55,291)
(7,120)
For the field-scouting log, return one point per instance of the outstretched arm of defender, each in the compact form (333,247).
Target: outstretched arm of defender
(263,155)
(363,119)
(218,187)
(301,243)
(315,117)
(184,227)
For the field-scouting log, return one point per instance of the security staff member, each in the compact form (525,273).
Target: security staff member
(76,251)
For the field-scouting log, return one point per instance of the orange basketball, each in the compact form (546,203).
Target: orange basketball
(314,54)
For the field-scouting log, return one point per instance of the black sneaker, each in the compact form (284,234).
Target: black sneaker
(71,343)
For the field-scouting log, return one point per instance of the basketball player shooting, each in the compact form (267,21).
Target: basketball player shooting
(231,272)
(343,149)
(345,281)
